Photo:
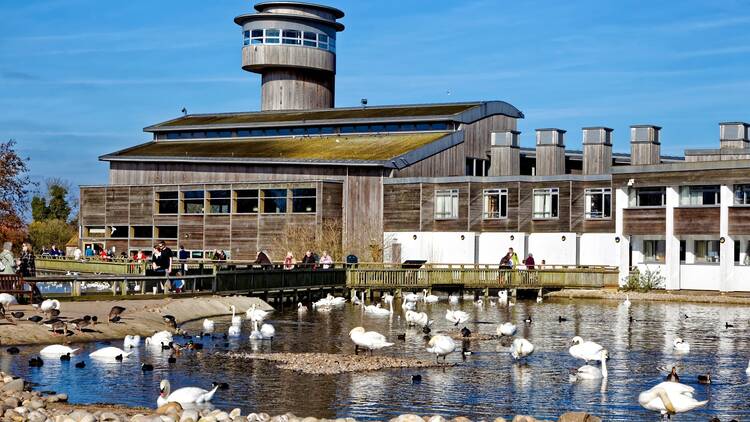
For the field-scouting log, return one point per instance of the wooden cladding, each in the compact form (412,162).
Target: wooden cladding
(739,220)
(644,221)
(696,220)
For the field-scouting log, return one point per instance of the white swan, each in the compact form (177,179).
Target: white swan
(185,395)
(301,308)
(586,350)
(521,348)
(236,319)
(456,317)
(479,303)
(441,345)
(131,341)
(669,398)
(589,372)
(417,318)
(411,297)
(409,306)
(208,325)
(335,301)
(747,371)
(49,305)
(110,352)
(267,331)
(626,303)
(388,298)
(502,295)
(6,300)
(377,310)
(158,338)
(681,345)
(234,331)
(56,350)
(429,298)
(255,314)
(453,299)
(370,340)
(507,329)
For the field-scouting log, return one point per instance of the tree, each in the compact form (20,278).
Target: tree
(50,232)
(53,206)
(14,190)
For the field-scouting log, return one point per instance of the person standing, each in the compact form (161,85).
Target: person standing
(529,262)
(514,257)
(289,261)
(326,261)
(27,266)
(263,260)
(7,261)
(165,258)
(77,254)
(182,257)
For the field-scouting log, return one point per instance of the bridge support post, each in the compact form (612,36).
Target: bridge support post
(486,293)
(399,294)
(513,293)
(75,288)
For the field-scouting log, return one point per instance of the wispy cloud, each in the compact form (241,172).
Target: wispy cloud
(713,52)
(140,81)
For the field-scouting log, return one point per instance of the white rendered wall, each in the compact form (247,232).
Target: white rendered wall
(411,248)
(638,261)
(551,248)
(493,246)
(741,282)
(599,249)
(672,244)
(434,247)
(726,249)
(621,202)
(699,277)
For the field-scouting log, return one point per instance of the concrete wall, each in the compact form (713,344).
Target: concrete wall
(551,248)
(493,246)
(434,247)
(599,249)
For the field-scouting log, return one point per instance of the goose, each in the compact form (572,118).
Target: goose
(586,350)
(147,367)
(110,352)
(36,362)
(80,365)
(131,341)
(236,319)
(208,325)
(429,298)
(456,317)
(370,340)
(159,338)
(255,314)
(589,372)
(521,348)
(234,331)
(13,350)
(681,345)
(626,303)
(669,398)
(507,329)
(185,395)
(377,310)
(56,350)
(65,357)
(411,297)
(7,300)
(301,308)
(453,299)
(441,345)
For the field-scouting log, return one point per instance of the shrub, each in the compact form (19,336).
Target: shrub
(643,282)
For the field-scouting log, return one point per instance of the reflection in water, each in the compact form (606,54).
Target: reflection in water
(487,383)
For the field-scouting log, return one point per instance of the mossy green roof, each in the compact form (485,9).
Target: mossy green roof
(369,147)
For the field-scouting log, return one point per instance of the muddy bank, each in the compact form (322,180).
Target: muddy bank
(657,295)
(141,317)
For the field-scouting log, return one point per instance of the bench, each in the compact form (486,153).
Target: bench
(13,284)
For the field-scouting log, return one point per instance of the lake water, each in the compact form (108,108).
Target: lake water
(488,383)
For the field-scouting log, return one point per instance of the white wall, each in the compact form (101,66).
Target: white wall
(493,246)
(411,248)
(741,280)
(699,277)
(599,249)
(434,247)
(551,248)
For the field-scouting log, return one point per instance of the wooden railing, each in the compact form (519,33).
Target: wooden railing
(94,266)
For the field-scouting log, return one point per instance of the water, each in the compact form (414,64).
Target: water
(487,384)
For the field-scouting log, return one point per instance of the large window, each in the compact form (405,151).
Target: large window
(477,167)
(598,203)
(246,201)
(495,204)
(699,195)
(219,201)
(741,194)
(143,232)
(303,200)
(192,202)
(274,201)
(167,202)
(166,232)
(289,37)
(446,204)
(654,250)
(648,197)
(706,251)
(118,232)
(546,203)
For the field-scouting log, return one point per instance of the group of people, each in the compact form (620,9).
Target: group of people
(24,265)
(510,261)
(310,260)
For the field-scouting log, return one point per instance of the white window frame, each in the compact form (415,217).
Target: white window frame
(546,194)
(686,196)
(635,203)
(588,195)
(744,190)
(447,207)
(502,213)
(655,258)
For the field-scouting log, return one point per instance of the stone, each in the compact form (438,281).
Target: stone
(13,386)
(7,379)
(62,397)
(35,404)
(189,415)
(36,416)
(208,418)
(437,418)
(235,413)
(11,402)
(524,418)
(264,417)
(578,417)
(461,419)
(168,408)
(407,418)
(166,418)
(109,417)
(221,416)
(281,418)
(309,419)
(499,420)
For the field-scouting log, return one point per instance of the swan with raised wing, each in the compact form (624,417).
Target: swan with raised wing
(456,317)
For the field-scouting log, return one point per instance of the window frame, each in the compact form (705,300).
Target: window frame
(590,192)
(185,201)
(175,200)
(704,258)
(701,189)
(745,190)
(502,193)
(220,201)
(295,199)
(262,200)
(635,201)
(453,195)
(656,249)
(554,213)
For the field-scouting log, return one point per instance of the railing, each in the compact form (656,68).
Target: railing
(64,285)
(94,266)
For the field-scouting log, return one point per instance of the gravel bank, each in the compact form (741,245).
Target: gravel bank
(658,295)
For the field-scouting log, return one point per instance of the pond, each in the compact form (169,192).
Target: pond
(486,383)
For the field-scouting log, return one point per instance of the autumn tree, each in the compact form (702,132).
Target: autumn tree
(51,214)
(14,190)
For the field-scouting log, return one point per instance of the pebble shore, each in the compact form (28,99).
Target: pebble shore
(19,404)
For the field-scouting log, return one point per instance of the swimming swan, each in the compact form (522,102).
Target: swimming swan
(507,329)
(428,298)
(255,314)
(747,371)
(236,319)
(441,345)
(669,398)
(234,331)
(158,338)
(626,303)
(370,340)
(453,299)
(586,350)
(387,298)
(417,318)
(456,317)
(131,341)
(377,310)
(56,350)
(589,372)
(185,395)
(521,348)
(411,297)
(110,352)
(208,325)
(301,308)
(681,345)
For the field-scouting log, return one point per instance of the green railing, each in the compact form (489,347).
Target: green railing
(93,266)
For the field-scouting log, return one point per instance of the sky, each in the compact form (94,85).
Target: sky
(82,78)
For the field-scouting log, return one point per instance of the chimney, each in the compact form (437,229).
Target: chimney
(505,157)
(645,148)
(597,150)
(550,152)
(734,135)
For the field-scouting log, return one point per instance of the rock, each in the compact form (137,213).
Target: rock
(36,416)
(13,386)
(35,404)
(189,416)
(407,418)
(524,418)
(166,418)
(169,408)
(280,418)
(308,419)
(221,416)
(499,420)
(437,418)
(461,419)
(578,417)
(11,402)
(235,413)
(7,379)
(208,418)
(109,417)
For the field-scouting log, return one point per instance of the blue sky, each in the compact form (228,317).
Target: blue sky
(80,78)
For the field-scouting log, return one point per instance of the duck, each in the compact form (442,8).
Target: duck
(65,357)
(507,329)
(110,352)
(208,325)
(36,362)
(114,313)
(465,332)
(171,359)
(170,321)
(234,331)
(370,340)
(131,341)
(673,375)
(147,367)
(13,350)
(80,365)
(586,350)
(255,314)
(57,350)
(626,303)
(17,314)
(441,345)
(185,395)
(429,298)
(705,379)
(36,319)
(521,348)
(589,372)
(456,317)
(236,319)
(669,398)
(681,345)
